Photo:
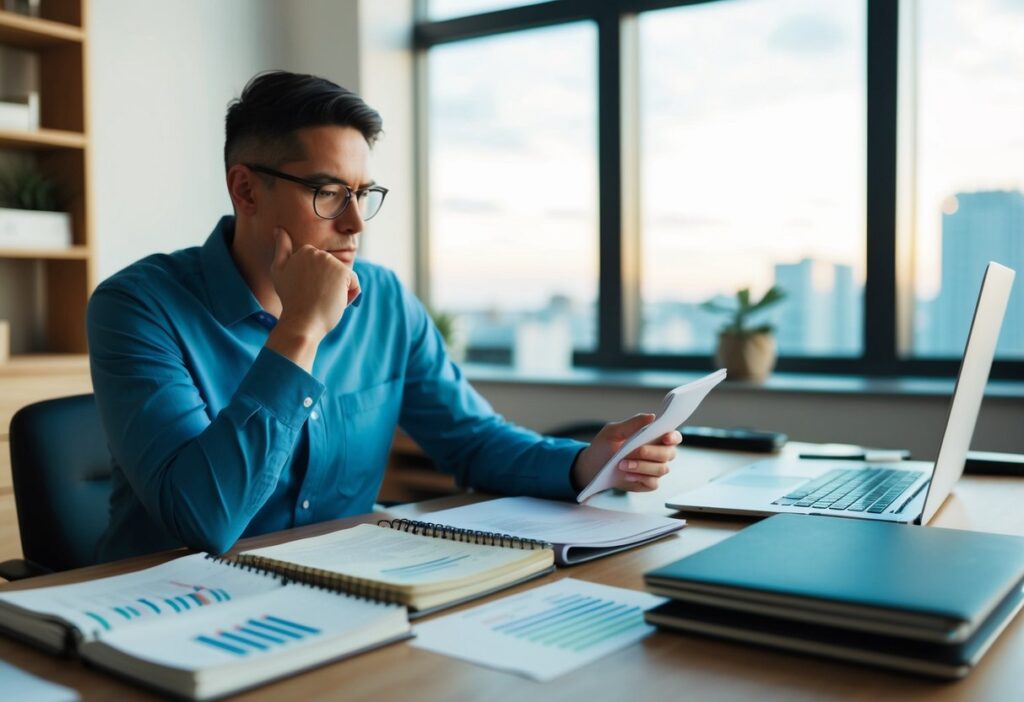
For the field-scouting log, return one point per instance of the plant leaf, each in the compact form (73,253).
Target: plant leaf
(715,307)
(774,295)
(743,298)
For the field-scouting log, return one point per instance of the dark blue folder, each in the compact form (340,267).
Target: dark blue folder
(920,583)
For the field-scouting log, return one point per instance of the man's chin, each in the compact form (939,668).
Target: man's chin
(346,256)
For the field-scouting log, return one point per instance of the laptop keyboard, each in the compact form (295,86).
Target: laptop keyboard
(870,489)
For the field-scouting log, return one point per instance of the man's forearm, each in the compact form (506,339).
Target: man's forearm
(297,345)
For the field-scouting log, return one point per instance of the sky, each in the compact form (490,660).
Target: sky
(752,145)
(970,111)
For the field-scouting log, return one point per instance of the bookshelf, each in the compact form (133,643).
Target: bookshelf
(60,150)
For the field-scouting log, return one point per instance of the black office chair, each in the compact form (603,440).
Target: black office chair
(60,465)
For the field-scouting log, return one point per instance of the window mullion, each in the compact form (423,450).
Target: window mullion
(880,353)
(609,130)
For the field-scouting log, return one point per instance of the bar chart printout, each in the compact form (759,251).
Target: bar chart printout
(544,632)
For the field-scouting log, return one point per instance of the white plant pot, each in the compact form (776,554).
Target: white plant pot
(29,229)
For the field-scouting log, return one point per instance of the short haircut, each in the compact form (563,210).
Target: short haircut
(261,125)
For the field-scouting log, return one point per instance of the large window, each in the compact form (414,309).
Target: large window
(597,170)
(751,130)
(963,91)
(513,194)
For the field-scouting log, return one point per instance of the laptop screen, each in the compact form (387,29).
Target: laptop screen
(970,385)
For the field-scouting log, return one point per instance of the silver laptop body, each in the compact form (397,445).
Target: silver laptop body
(911,491)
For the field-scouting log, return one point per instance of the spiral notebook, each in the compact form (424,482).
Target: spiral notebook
(200,627)
(422,566)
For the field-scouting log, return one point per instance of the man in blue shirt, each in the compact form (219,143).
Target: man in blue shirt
(255,383)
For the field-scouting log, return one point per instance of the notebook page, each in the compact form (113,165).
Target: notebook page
(162,592)
(256,628)
(556,522)
(392,556)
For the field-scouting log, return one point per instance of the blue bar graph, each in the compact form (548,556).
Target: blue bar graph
(158,602)
(256,635)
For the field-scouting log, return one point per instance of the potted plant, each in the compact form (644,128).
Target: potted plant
(28,213)
(446,324)
(747,352)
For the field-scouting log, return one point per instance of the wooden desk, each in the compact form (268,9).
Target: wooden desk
(665,666)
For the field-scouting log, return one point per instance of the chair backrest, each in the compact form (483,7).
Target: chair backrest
(60,466)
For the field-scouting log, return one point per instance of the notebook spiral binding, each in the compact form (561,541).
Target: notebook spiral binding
(311,577)
(442,531)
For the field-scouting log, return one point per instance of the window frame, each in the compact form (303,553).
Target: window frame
(880,355)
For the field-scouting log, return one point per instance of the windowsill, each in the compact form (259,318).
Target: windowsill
(777,383)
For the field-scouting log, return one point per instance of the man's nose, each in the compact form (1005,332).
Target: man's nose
(351,220)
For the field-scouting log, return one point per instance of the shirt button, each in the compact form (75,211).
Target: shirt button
(305,504)
(313,415)
(308,402)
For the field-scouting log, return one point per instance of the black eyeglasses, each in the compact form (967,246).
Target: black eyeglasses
(331,199)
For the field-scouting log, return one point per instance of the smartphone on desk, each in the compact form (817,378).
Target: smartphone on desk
(733,439)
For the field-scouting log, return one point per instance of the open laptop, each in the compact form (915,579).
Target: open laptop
(906,491)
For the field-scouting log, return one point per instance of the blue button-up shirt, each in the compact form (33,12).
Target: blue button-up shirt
(214,437)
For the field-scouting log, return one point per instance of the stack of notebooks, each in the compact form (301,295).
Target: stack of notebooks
(918,599)
(202,627)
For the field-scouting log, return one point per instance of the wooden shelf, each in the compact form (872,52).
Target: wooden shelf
(34,33)
(70,253)
(45,364)
(42,139)
(62,278)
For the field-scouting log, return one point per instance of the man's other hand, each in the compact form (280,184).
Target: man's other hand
(640,470)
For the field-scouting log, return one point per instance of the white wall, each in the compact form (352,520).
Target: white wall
(161,75)
(386,72)
(160,78)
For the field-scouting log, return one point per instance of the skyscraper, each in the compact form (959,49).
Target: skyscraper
(977,228)
(820,313)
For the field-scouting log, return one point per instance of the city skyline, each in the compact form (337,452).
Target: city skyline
(821,315)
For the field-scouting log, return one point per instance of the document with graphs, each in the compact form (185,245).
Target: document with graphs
(194,626)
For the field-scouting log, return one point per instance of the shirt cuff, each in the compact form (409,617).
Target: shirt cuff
(283,388)
(556,482)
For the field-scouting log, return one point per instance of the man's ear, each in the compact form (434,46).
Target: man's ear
(242,189)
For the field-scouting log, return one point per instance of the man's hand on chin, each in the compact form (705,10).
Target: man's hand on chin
(640,470)
(315,288)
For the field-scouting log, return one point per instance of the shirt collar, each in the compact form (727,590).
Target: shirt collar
(231,300)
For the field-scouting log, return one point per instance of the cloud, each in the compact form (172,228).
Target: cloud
(808,34)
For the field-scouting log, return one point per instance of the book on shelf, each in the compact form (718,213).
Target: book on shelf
(424,567)
(199,627)
(577,533)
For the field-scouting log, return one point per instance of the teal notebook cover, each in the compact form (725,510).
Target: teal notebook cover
(945,573)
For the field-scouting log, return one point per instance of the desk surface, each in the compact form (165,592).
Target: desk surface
(663,666)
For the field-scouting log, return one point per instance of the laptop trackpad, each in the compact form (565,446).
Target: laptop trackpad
(749,479)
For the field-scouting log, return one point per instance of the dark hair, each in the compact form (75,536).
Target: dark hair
(261,124)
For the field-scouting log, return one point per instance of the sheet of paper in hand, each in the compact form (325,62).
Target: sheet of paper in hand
(677,407)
